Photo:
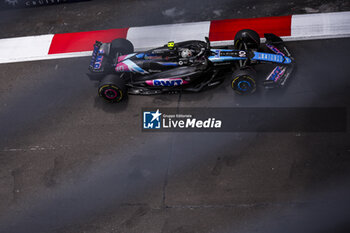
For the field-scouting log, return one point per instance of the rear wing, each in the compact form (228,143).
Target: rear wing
(99,57)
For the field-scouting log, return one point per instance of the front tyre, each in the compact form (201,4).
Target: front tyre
(243,81)
(246,39)
(112,88)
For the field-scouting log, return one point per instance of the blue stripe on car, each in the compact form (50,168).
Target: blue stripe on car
(169,64)
(140,55)
(271,57)
(224,58)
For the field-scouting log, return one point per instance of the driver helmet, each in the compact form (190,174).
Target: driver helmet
(186,53)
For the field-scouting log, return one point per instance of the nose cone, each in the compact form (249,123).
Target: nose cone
(287,60)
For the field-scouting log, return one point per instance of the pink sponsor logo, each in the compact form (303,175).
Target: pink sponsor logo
(166,82)
(121,67)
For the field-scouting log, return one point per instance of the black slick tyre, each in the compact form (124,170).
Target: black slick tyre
(122,46)
(112,88)
(246,39)
(243,81)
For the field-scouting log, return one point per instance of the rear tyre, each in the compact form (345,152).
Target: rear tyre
(112,88)
(122,46)
(246,39)
(243,81)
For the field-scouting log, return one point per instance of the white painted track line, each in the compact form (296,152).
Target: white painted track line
(317,26)
(27,48)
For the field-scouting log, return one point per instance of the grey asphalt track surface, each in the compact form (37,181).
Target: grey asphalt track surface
(69,162)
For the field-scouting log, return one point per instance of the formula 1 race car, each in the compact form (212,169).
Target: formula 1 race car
(187,66)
